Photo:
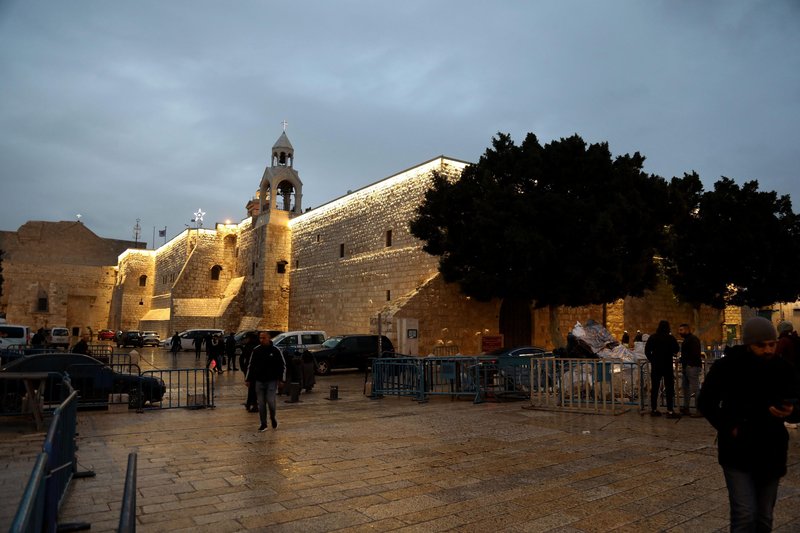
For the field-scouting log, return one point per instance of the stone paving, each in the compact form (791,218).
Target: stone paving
(357,464)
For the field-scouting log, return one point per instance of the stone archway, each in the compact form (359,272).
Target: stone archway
(516,322)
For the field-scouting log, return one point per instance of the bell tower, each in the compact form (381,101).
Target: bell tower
(281,191)
(266,266)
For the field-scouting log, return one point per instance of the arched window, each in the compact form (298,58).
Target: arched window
(215,270)
(142,280)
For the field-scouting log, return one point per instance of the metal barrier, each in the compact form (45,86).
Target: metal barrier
(127,514)
(584,385)
(398,376)
(31,509)
(186,387)
(55,467)
(475,377)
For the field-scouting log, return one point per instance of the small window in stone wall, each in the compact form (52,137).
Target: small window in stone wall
(388,238)
(388,295)
(341,250)
(281,267)
(215,270)
(296,263)
(142,280)
(253,269)
(41,304)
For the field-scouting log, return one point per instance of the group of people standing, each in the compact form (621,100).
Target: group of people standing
(750,396)
(219,351)
(660,349)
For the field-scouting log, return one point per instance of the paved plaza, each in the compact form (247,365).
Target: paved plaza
(357,464)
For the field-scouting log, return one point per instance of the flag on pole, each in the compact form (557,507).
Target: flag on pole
(162,232)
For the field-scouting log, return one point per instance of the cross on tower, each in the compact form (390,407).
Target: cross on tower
(284,125)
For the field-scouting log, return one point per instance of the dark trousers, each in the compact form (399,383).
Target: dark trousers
(752,499)
(657,374)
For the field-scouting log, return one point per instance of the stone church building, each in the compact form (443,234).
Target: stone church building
(348,266)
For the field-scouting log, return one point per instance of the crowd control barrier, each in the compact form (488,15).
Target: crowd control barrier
(52,473)
(194,388)
(127,514)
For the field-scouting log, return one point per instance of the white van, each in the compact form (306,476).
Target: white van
(293,340)
(12,334)
(57,337)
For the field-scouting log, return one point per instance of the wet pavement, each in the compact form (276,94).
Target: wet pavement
(357,464)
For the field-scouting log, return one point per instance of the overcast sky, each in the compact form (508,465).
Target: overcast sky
(153,109)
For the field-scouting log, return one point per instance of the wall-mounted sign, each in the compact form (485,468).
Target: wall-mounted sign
(411,334)
(490,343)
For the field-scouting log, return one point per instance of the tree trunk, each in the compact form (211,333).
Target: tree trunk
(558,340)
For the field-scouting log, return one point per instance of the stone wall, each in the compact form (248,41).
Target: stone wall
(65,264)
(344,270)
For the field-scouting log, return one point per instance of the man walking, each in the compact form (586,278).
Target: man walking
(198,345)
(267,368)
(746,396)
(691,364)
(660,349)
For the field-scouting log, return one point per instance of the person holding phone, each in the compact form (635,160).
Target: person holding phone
(747,395)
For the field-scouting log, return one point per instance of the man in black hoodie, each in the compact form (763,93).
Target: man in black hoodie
(267,368)
(660,350)
(746,396)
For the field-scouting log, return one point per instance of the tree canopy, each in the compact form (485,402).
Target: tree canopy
(559,224)
(733,245)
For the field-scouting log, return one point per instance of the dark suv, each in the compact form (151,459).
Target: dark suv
(350,351)
(130,338)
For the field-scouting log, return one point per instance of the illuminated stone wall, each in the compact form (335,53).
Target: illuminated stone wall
(65,263)
(134,288)
(343,269)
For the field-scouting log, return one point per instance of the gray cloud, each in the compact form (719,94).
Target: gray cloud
(152,109)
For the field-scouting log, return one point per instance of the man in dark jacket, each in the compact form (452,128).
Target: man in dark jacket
(267,368)
(691,365)
(82,346)
(746,396)
(660,350)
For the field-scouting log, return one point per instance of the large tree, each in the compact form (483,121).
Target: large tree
(733,245)
(559,224)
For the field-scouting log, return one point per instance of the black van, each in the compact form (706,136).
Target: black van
(351,351)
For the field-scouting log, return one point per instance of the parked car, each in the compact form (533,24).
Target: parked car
(106,335)
(150,338)
(350,351)
(187,337)
(513,367)
(13,334)
(57,337)
(293,341)
(130,338)
(94,380)
(520,351)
